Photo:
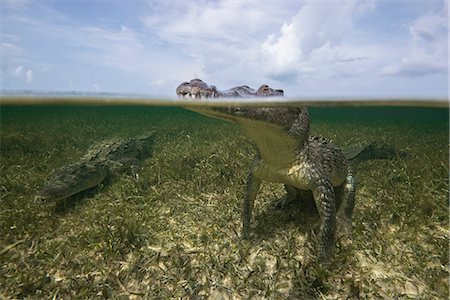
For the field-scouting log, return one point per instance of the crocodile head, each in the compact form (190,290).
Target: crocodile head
(277,131)
(266,91)
(70,180)
(197,88)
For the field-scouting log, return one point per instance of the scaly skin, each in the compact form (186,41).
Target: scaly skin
(197,88)
(101,161)
(288,155)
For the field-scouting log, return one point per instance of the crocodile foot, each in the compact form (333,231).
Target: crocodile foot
(283,203)
(294,197)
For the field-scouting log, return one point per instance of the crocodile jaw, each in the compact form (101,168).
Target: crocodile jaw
(276,147)
(54,193)
(71,180)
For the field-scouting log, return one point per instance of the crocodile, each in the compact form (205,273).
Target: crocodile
(102,160)
(287,154)
(197,88)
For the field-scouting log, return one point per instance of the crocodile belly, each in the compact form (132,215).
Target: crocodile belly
(299,175)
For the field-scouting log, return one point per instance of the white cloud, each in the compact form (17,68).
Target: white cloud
(128,50)
(221,21)
(222,38)
(312,41)
(231,21)
(428,48)
(21,73)
(18,72)
(415,67)
(29,76)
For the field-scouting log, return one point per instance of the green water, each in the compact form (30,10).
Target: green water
(174,232)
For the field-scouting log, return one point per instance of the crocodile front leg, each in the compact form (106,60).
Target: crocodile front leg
(324,198)
(252,188)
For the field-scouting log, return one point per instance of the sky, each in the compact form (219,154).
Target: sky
(348,48)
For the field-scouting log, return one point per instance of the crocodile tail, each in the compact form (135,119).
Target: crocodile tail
(353,151)
(363,152)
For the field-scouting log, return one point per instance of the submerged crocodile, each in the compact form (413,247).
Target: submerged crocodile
(288,154)
(102,160)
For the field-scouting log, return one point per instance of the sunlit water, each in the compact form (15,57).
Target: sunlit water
(400,219)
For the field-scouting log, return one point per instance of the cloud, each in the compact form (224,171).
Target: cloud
(23,74)
(222,38)
(310,43)
(18,72)
(415,67)
(29,76)
(428,48)
(230,21)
